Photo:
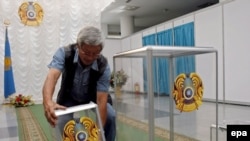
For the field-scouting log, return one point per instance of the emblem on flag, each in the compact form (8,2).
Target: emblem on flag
(7,63)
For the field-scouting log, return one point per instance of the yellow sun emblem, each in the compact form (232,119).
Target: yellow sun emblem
(30,13)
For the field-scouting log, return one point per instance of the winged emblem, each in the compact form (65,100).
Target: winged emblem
(30,13)
(188,92)
(81,129)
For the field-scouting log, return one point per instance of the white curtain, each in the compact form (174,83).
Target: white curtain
(32,47)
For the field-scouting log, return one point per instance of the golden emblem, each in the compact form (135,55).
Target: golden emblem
(188,92)
(81,129)
(30,13)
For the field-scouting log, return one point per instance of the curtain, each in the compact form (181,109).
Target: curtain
(163,38)
(184,36)
(32,47)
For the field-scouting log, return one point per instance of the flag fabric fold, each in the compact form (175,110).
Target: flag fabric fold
(9,85)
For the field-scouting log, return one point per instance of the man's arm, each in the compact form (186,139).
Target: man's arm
(102,93)
(48,90)
(102,98)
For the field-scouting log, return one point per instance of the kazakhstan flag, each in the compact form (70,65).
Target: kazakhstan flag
(9,85)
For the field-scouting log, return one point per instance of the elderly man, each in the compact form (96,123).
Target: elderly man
(85,77)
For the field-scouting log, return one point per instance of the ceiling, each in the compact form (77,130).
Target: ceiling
(150,12)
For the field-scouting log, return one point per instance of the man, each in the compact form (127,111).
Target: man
(85,77)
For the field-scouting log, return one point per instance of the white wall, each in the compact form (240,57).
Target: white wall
(111,46)
(208,33)
(237,48)
(136,64)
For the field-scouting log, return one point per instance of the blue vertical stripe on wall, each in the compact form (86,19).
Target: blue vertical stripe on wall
(184,36)
(164,38)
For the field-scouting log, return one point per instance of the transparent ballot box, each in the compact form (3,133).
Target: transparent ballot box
(79,123)
(166,93)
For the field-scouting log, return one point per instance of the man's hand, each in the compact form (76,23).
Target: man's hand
(49,111)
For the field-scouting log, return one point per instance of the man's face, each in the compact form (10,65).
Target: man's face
(89,53)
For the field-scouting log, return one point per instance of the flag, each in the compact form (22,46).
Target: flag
(9,85)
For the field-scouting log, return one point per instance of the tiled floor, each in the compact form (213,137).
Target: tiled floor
(8,123)
(194,124)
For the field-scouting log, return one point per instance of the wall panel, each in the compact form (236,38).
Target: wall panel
(208,33)
(237,48)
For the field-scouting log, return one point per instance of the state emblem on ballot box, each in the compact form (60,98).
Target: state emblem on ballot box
(79,123)
(188,92)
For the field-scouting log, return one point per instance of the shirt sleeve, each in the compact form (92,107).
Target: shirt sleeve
(103,82)
(58,60)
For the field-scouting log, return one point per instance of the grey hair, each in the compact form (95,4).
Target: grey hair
(91,36)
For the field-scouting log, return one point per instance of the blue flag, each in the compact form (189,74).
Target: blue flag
(9,85)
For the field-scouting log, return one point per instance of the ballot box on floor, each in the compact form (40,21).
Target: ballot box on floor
(77,123)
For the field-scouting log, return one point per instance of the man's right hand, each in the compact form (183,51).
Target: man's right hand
(49,111)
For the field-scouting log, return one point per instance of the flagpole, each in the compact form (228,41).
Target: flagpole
(6,24)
